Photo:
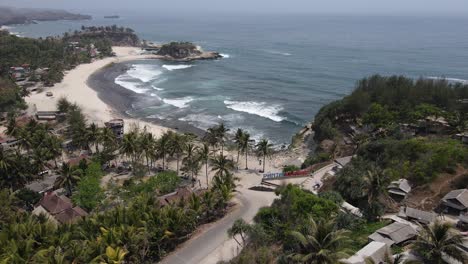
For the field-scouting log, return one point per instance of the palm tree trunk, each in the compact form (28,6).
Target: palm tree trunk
(264,157)
(177,165)
(246,156)
(206,171)
(238,152)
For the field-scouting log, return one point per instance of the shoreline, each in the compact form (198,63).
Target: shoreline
(121,99)
(75,88)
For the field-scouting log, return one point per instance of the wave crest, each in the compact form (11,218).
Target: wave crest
(176,67)
(270,111)
(179,102)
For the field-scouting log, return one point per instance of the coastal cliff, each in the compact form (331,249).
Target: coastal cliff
(117,36)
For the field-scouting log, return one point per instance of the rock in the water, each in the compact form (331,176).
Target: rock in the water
(185,51)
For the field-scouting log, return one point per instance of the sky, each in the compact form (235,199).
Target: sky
(392,7)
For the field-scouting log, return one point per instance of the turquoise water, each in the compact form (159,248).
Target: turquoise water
(278,70)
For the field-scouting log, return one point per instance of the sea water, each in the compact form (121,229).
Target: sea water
(277,70)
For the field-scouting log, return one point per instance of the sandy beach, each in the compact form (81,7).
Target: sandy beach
(75,88)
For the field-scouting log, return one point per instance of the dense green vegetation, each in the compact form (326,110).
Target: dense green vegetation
(276,230)
(11,96)
(383,102)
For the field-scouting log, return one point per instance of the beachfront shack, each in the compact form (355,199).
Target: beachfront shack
(456,200)
(117,126)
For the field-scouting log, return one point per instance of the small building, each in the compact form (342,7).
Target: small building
(399,188)
(58,209)
(182,193)
(343,161)
(374,250)
(394,234)
(20,73)
(46,115)
(7,143)
(42,186)
(463,137)
(420,216)
(456,200)
(117,126)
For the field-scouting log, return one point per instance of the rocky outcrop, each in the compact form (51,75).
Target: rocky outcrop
(185,51)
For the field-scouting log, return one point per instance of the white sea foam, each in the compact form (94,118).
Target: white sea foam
(179,102)
(270,111)
(123,80)
(144,72)
(176,67)
(456,80)
(157,88)
(224,55)
(279,52)
(202,121)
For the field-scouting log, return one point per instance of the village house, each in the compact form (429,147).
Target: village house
(58,209)
(399,188)
(20,73)
(463,137)
(7,143)
(394,234)
(456,200)
(374,250)
(411,214)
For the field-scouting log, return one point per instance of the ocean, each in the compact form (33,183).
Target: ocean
(277,71)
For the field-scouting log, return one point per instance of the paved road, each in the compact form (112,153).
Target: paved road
(208,246)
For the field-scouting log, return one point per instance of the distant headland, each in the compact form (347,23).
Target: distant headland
(13,16)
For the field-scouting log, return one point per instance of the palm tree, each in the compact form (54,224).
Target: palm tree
(68,177)
(163,145)
(241,228)
(375,183)
(238,139)
(190,163)
(93,136)
(221,165)
(438,242)
(221,132)
(107,138)
(12,128)
(245,147)
(147,142)
(204,156)
(264,150)
(129,146)
(211,137)
(177,147)
(318,243)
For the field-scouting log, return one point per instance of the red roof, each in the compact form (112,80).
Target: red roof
(61,208)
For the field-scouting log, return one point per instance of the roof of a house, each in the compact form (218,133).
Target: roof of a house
(70,215)
(374,250)
(397,232)
(343,160)
(461,195)
(76,161)
(55,204)
(42,185)
(400,186)
(61,208)
(379,238)
(423,217)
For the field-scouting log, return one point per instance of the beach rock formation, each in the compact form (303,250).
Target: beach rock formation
(185,51)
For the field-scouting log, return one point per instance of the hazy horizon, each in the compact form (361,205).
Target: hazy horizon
(395,7)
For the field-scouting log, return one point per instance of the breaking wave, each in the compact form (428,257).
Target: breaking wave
(144,72)
(179,102)
(125,82)
(226,56)
(455,80)
(270,111)
(176,67)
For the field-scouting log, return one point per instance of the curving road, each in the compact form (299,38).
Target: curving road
(213,244)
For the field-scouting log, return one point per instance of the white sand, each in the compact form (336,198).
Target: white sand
(74,87)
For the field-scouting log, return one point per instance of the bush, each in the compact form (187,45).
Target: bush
(88,192)
(290,168)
